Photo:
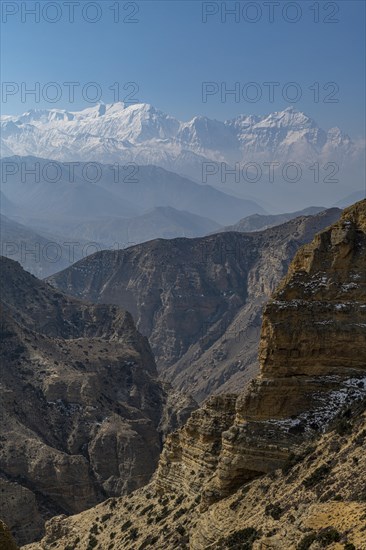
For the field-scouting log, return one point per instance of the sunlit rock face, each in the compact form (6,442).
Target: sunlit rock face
(312,363)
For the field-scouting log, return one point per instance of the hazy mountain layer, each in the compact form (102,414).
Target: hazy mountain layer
(39,253)
(43,254)
(161,222)
(72,197)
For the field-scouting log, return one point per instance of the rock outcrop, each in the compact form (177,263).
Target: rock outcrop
(283,464)
(199,301)
(83,413)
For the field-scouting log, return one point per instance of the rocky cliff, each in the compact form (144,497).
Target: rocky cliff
(312,360)
(82,410)
(198,301)
(283,464)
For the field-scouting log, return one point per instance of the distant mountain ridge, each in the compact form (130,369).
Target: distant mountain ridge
(69,199)
(160,222)
(43,254)
(259,222)
(40,254)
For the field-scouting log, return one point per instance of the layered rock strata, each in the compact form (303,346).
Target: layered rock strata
(313,361)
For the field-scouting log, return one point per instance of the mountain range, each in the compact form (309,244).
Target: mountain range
(43,254)
(144,135)
(39,253)
(258,222)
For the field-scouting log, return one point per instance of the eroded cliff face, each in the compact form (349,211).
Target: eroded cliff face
(82,410)
(191,455)
(313,362)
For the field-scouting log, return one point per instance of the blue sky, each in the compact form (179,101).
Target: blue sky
(170,52)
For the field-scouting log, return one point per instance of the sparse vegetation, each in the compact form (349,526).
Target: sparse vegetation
(306,541)
(317,476)
(273,510)
(180,499)
(360,439)
(163,514)
(343,426)
(179,513)
(325,537)
(294,459)
(92,543)
(126,525)
(94,529)
(134,533)
(240,540)
(146,509)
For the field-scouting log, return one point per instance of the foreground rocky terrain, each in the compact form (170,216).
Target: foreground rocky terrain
(83,413)
(199,301)
(281,465)
(313,502)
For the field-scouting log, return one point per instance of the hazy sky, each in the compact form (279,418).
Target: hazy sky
(175,46)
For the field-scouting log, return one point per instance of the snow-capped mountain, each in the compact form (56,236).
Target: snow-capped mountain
(142,134)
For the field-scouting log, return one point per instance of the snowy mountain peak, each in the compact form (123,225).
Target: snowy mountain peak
(140,133)
(290,117)
(43,116)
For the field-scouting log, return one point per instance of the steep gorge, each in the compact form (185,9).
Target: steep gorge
(282,465)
